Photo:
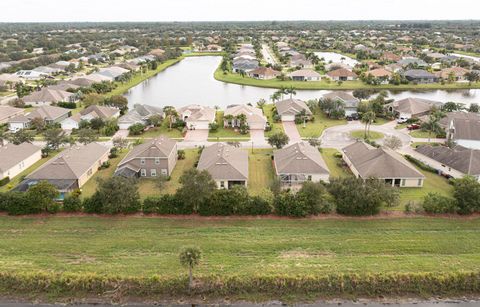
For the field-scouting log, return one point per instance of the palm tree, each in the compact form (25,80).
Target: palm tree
(291,90)
(190,257)
(171,114)
(261,103)
(368,118)
(275,96)
(432,125)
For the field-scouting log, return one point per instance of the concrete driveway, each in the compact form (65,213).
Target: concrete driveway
(257,136)
(292,132)
(120,134)
(200,135)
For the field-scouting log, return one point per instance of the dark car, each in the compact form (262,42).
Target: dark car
(353,116)
(413,127)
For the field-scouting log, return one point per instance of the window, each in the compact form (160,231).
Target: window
(143,172)
(419,182)
(163,171)
(142,161)
(309,178)
(222,184)
(153,172)
(157,160)
(89,173)
(403,182)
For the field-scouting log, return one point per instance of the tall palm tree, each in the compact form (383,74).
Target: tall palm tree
(368,118)
(432,125)
(275,96)
(171,114)
(291,90)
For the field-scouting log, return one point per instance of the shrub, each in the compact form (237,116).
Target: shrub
(213,127)
(72,203)
(93,204)
(166,204)
(4,181)
(467,194)
(287,204)
(436,203)
(17,203)
(181,154)
(420,164)
(67,105)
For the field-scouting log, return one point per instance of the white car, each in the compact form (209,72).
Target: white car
(402,120)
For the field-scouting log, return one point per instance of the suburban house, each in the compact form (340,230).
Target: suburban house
(151,159)
(49,114)
(300,162)
(70,169)
(366,162)
(7,112)
(138,115)
(380,73)
(288,108)
(227,165)
(342,74)
(412,107)
(197,116)
(89,113)
(464,132)
(112,72)
(456,72)
(420,76)
(304,75)
(64,86)
(412,62)
(245,65)
(350,103)
(254,117)
(30,74)
(14,159)
(264,73)
(47,96)
(460,115)
(301,62)
(456,162)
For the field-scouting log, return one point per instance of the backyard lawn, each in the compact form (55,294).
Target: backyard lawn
(225,132)
(276,127)
(332,162)
(261,171)
(139,246)
(314,129)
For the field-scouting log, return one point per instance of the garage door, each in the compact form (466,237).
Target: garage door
(288,118)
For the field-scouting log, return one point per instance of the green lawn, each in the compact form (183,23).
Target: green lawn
(380,121)
(314,129)
(276,127)
(334,164)
(372,135)
(162,130)
(17,179)
(225,132)
(330,85)
(421,134)
(261,172)
(138,246)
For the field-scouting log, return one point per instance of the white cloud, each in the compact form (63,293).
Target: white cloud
(226,10)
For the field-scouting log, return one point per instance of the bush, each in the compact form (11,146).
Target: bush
(166,204)
(4,181)
(467,194)
(17,203)
(213,127)
(72,203)
(181,154)
(67,105)
(287,204)
(436,203)
(93,204)
(420,164)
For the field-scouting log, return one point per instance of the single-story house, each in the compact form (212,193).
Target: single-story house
(138,115)
(70,169)
(227,165)
(30,74)
(89,113)
(366,162)
(412,107)
(64,86)
(342,74)
(49,114)
(112,72)
(197,116)
(349,101)
(458,73)
(410,61)
(420,76)
(264,73)
(390,56)
(380,73)
(304,75)
(464,132)
(461,115)
(244,65)
(254,117)
(150,159)
(301,62)
(298,163)
(47,96)
(7,112)
(456,162)
(14,159)
(288,108)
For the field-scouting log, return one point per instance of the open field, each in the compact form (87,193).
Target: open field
(136,246)
(314,129)
(331,85)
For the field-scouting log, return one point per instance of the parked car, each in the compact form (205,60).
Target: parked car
(402,120)
(353,116)
(413,127)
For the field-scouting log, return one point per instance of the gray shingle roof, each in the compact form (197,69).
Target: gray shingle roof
(11,154)
(292,106)
(459,158)
(223,161)
(299,158)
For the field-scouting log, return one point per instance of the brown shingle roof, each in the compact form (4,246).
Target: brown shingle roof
(48,112)
(11,154)
(292,106)
(299,158)
(341,72)
(224,162)
(47,95)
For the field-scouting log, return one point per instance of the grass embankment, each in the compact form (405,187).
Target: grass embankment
(331,85)
(134,256)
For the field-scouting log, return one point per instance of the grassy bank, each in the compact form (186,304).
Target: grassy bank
(330,85)
(240,257)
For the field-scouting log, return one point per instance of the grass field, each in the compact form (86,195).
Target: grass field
(261,171)
(135,246)
(314,129)
(372,135)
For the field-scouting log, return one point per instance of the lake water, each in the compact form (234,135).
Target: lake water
(336,57)
(191,81)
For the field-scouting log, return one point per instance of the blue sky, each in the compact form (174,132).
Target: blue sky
(202,10)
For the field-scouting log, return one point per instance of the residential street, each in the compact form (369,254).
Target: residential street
(268,55)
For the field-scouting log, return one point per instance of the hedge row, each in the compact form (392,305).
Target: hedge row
(340,285)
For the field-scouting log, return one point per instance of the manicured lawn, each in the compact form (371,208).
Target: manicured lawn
(372,135)
(261,172)
(17,179)
(380,121)
(433,184)
(225,132)
(421,134)
(148,187)
(329,85)
(315,128)
(334,164)
(276,127)
(91,186)
(162,130)
(138,246)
